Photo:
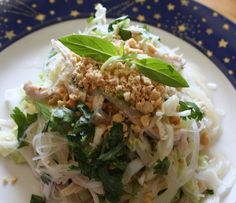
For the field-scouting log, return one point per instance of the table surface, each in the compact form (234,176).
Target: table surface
(225,7)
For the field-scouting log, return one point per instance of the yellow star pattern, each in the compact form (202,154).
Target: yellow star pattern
(79,2)
(51,1)
(141,18)
(135,9)
(19,21)
(34,5)
(149,7)
(195,8)
(215,14)
(184,2)
(157,16)
(204,20)
(158,24)
(156,1)
(209,53)
(181,28)
(52,12)
(226,60)
(222,43)
(40,17)
(209,31)
(74,13)
(140,1)
(199,43)
(231,72)
(225,26)
(29,28)
(9,34)
(170,7)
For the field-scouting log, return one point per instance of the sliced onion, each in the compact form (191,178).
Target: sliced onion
(132,168)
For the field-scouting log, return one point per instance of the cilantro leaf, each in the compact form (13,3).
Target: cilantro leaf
(196,113)
(37,199)
(162,167)
(23,122)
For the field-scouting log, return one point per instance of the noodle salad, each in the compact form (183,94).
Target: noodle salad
(116,116)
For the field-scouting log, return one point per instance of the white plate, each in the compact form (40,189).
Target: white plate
(22,61)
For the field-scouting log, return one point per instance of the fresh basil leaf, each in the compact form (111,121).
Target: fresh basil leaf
(90,46)
(37,199)
(160,71)
(162,167)
(125,34)
(116,21)
(23,122)
(196,113)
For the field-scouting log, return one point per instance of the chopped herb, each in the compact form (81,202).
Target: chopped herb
(135,188)
(146,27)
(84,109)
(111,183)
(120,94)
(116,21)
(46,178)
(61,120)
(42,108)
(37,199)
(105,163)
(90,46)
(209,192)
(23,122)
(90,19)
(177,196)
(52,53)
(161,191)
(162,167)
(161,71)
(196,113)
(125,34)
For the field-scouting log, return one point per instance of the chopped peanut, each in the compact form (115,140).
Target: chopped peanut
(118,118)
(5,180)
(175,120)
(145,120)
(204,139)
(14,180)
(148,198)
(136,128)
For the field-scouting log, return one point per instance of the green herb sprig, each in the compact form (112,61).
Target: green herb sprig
(196,113)
(162,167)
